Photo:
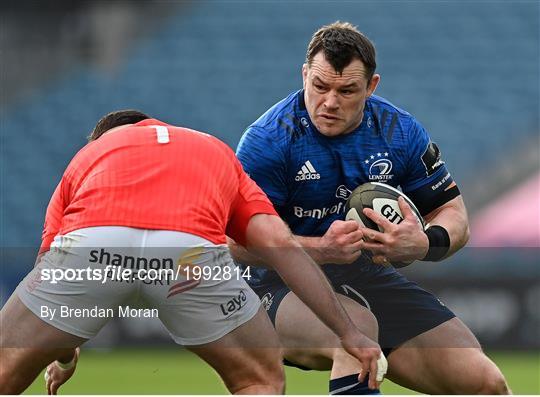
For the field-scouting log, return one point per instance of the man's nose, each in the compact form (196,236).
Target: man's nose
(331,101)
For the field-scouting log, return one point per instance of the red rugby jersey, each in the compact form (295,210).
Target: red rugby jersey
(151,175)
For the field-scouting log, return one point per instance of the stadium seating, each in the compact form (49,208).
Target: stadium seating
(467,70)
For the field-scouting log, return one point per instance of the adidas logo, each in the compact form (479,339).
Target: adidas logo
(307,172)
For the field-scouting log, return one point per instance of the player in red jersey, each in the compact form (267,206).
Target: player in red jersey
(145,196)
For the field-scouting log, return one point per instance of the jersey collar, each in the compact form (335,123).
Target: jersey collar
(150,122)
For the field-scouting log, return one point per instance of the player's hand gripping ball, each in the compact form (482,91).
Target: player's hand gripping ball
(381,198)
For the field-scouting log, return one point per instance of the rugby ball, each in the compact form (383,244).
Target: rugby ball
(381,198)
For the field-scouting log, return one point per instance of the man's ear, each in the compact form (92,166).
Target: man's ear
(373,83)
(304,74)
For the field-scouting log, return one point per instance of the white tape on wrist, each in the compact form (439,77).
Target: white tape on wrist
(66,366)
(382,367)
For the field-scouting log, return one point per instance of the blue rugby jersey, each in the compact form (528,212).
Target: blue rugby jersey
(308,176)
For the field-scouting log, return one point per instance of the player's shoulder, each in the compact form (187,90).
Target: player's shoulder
(285,108)
(196,135)
(283,121)
(207,145)
(379,105)
(389,119)
(210,142)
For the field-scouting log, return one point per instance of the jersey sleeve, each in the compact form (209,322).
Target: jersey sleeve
(264,161)
(249,201)
(427,179)
(53,217)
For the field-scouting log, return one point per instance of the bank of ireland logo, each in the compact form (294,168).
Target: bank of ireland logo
(380,167)
(342,192)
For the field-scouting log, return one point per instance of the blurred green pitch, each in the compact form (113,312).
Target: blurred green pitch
(174,371)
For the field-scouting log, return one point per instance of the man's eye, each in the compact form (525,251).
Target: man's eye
(318,87)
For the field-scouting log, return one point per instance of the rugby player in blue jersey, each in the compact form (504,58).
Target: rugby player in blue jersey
(307,153)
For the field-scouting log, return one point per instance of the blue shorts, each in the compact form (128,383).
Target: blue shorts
(403,309)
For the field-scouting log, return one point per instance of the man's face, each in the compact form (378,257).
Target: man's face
(335,102)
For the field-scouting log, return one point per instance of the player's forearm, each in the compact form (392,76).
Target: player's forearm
(241,255)
(308,282)
(321,299)
(453,217)
(457,228)
(269,238)
(313,247)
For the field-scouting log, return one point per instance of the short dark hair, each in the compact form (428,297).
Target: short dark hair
(116,119)
(342,42)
